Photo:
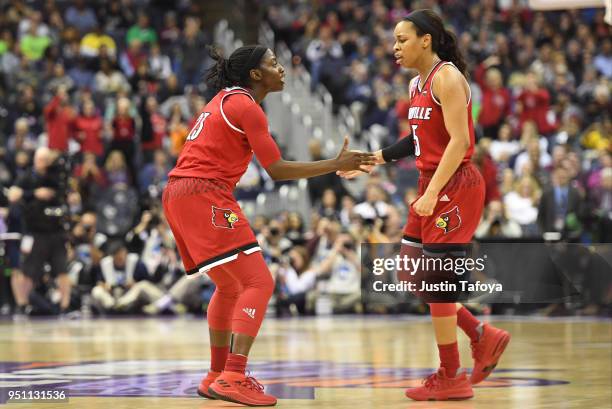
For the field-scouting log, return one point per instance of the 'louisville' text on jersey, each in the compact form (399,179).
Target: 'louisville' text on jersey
(419,113)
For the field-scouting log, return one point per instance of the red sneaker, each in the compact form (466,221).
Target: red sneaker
(203,388)
(438,387)
(487,351)
(239,388)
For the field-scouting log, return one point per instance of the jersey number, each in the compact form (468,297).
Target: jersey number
(417,147)
(197,128)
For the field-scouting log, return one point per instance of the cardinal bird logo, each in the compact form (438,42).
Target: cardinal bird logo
(224,218)
(450,220)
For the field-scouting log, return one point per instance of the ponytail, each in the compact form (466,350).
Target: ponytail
(443,41)
(218,76)
(448,51)
(233,71)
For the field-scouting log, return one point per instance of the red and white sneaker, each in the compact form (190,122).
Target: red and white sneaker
(239,388)
(438,387)
(487,351)
(205,384)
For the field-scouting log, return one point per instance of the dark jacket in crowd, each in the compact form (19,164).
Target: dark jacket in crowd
(42,216)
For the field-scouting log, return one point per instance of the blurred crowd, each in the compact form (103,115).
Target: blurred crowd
(541,93)
(541,85)
(96,99)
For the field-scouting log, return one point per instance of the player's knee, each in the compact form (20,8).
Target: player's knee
(260,278)
(229,290)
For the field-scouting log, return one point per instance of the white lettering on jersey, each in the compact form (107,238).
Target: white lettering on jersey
(419,113)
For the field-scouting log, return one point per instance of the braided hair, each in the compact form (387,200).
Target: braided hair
(235,70)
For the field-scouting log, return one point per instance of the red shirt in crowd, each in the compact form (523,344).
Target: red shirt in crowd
(159,132)
(59,121)
(495,105)
(124,128)
(536,105)
(89,133)
(489,174)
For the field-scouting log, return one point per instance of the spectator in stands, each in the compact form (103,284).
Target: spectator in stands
(154,175)
(141,31)
(496,99)
(533,154)
(22,139)
(33,44)
(294,280)
(91,180)
(329,204)
(560,208)
(124,133)
(317,185)
(533,104)
(87,243)
(177,132)
(342,264)
(495,223)
(170,34)
(160,64)
(59,117)
(80,16)
(273,242)
(88,129)
(109,80)
(522,204)
(95,40)
(116,170)
(153,131)
(59,79)
(132,58)
(504,146)
(193,55)
(485,164)
(122,282)
(603,60)
(117,19)
(82,76)
(34,19)
(321,54)
(375,204)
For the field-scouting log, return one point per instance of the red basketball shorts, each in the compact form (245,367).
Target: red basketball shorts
(457,213)
(207,223)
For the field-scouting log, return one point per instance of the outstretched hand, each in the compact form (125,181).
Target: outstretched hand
(348,160)
(351,174)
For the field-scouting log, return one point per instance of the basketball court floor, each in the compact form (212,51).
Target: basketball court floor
(325,362)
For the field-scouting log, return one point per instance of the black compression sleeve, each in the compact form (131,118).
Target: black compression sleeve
(400,149)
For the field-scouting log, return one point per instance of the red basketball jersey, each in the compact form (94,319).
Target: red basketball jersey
(224,137)
(427,123)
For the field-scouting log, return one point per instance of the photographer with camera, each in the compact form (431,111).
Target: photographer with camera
(41,194)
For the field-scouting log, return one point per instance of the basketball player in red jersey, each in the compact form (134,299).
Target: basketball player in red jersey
(451,191)
(212,234)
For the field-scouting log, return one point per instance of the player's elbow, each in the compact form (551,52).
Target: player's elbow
(463,143)
(275,171)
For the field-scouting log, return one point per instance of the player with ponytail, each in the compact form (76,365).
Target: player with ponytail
(212,234)
(443,219)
